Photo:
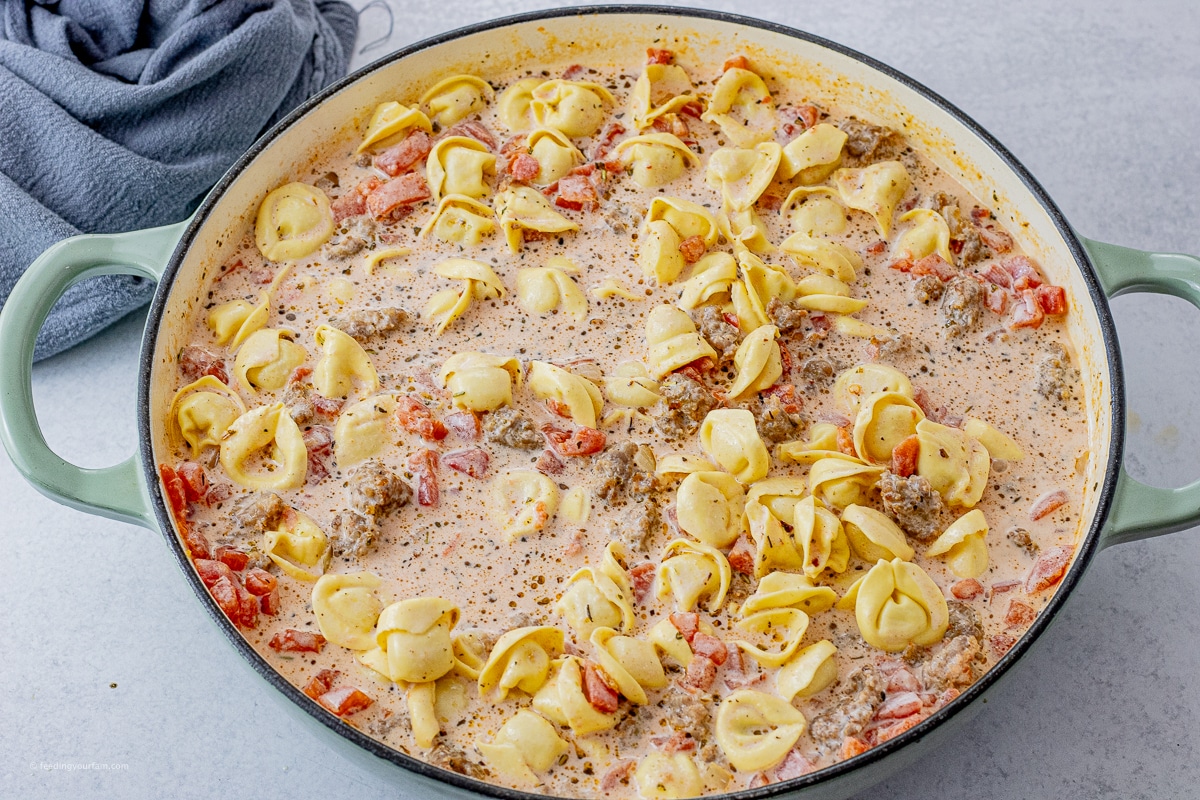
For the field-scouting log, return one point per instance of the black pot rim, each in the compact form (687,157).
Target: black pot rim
(1086,549)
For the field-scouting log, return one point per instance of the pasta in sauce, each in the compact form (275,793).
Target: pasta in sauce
(628,432)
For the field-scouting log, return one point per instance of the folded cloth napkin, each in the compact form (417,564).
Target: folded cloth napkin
(120,114)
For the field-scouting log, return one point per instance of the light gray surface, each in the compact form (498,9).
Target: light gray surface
(1098,99)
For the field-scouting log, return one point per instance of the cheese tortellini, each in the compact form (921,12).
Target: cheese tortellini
(480,381)
(232,322)
(298,547)
(997,443)
(270,435)
(555,154)
(884,420)
(668,776)
(562,700)
(453,99)
(293,221)
(831,258)
(601,597)
(864,381)
(579,397)
(962,545)
(955,465)
(896,604)
(927,234)
(814,154)
(656,159)
(632,663)
(842,481)
(874,536)
(347,607)
(876,189)
(520,660)
(459,219)
(361,429)
(526,745)
(541,290)
(459,165)
(390,123)
(760,284)
(574,107)
(266,359)
(479,282)
(821,537)
(755,730)
(758,362)
(711,281)
(809,671)
(709,506)
(731,440)
(343,364)
(413,640)
(521,208)
(741,106)
(685,217)
(673,342)
(692,571)
(204,410)
(630,386)
(660,89)
(789,590)
(742,175)
(658,252)
(522,502)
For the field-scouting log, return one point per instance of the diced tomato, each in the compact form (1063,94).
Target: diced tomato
(558,408)
(696,370)
(259,582)
(687,623)
(345,701)
(218,493)
(318,440)
(1019,614)
(597,689)
(1047,504)
(700,674)
(474,130)
(888,732)
(465,424)
(473,462)
(710,647)
(995,299)
(1004,586)
(1024,272)
(853,746)
(523,167)
(414,417)
(899,706)
(294,641)
(759,780)
(933,264)
(1052,299)
(573,72)
(249,606)
(902,680)
(211,571)
(735,62)
(270,603)
(354,202)
(423,464)
(603,142)
(785,393)
(402,157)
(655,55)
(577,193)
(1001,643)
(922,399)
(195,542)
(741,557)
(229,600)
(196,362)
(642,578)
(176,493)
(398,194)
(978,214)
(967,589)
(877,249)
(996,240)
(794,765)
(549,464)
(900,264)
(692,249)
(845,440)
(233,558)
(998,275)
(904,456)
(1049,568)
(321,683)
(1027,313)
(583,441)
(617,775)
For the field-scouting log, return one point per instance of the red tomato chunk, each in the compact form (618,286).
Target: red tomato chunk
(294,641)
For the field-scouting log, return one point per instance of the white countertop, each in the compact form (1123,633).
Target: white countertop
(109,660)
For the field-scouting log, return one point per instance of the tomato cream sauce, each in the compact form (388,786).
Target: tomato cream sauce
(994,372)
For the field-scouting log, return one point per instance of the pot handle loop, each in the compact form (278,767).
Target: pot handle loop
(1140,511)
(118,491)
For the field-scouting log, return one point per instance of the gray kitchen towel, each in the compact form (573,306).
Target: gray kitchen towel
(120,114)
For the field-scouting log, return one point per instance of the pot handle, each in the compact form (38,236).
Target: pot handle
(118,491)
(1140,511)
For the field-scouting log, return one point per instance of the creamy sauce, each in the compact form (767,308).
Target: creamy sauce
(454,550)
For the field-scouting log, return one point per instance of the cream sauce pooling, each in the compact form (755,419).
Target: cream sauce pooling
(454,549)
